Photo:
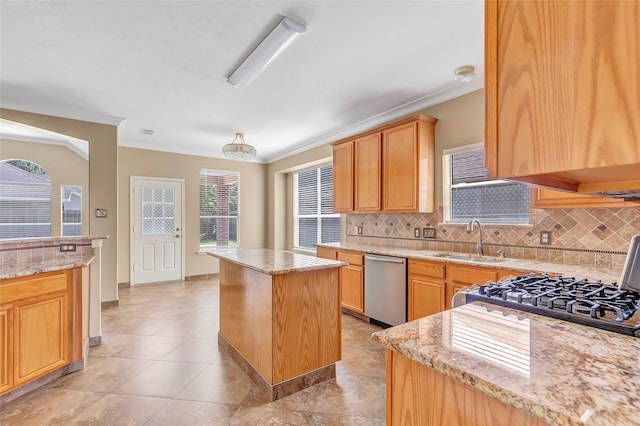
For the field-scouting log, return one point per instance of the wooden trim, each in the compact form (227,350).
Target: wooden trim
(491,87)
(77,352)
(382,128)
(390,387)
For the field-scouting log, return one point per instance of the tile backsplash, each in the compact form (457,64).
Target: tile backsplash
(591,237)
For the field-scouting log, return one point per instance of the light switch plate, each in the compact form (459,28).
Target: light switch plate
(101,212)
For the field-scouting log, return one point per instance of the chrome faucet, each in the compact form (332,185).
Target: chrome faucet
(479,248)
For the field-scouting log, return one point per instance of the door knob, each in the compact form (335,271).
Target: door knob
(177,235)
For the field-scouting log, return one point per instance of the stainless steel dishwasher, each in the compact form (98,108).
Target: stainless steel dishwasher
(385,289)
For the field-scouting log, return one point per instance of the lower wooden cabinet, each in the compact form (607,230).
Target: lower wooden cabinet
(351,277)
(42,336)
(6,348)
(35,327)
(418,395)
(326,253)
(427,288)
(352,281)
(461,276)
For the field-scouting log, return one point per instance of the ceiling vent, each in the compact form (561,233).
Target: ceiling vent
(147,132)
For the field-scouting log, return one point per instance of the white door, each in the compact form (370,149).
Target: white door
(156,219)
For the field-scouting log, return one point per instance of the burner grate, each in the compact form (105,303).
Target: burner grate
(590,303)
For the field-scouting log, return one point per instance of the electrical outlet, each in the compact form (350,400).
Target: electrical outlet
(428,232)
(416,232)
(67,247)
(545,238)
(359,230)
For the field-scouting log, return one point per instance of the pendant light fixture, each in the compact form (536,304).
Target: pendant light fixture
(238,149)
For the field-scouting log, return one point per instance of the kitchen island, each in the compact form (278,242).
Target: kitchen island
(280,317)
(485,364)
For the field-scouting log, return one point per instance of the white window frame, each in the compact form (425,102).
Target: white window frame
(319,215)
(446,186)
(210,247)
(62,222)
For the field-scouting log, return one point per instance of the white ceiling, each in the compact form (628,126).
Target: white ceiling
(162,66)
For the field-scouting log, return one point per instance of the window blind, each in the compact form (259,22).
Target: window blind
(470,194)
(315,221)
(71,204)
(25,200)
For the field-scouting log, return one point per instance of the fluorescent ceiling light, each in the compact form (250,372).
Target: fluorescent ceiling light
(275,42)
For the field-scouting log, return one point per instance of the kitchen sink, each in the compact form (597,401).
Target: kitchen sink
(483,259)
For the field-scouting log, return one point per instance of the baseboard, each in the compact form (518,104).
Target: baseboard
(110,304)
(201,277)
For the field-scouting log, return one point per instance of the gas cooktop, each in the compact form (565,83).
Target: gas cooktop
(592,303)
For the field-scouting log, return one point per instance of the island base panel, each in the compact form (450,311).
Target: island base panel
(276,391)
(418,395)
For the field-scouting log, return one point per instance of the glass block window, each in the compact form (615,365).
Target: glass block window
(219,210)
(314,220)
(468,193)
(158,215)
(71,204)
(25,200)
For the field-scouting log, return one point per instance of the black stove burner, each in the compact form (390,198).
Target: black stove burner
(581,301)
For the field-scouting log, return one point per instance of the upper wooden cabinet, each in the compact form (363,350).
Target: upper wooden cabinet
(392,168)
(561,93)
(343,177)
(367,171)
(548,199)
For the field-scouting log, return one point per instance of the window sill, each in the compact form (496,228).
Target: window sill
(309,252)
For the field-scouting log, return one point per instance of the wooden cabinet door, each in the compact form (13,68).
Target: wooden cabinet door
(343,177)
(368,174)
(561,91)
(6,348)
(426,297)
(400,168)
(549,199)
(42,335)
(352,287)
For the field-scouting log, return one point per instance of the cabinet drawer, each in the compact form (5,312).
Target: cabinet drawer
(325,253)
(32,286)
(427,269)
(472,275)
(351,258)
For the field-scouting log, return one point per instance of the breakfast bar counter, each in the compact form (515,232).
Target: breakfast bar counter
(485,364)
(280,317)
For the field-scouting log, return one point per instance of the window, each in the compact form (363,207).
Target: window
(314,220)
(219,194)
(71,196)
(25,200)
(469,193)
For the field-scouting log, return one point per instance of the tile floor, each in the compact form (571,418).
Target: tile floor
(159,364)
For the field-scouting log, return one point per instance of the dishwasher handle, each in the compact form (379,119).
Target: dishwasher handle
(384,259)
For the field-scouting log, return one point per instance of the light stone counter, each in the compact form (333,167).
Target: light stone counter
(607,275)
(22,269)
(557,371)
(275,262)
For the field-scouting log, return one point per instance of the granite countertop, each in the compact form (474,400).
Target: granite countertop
(607,275)
(23,269)
(561,372)
(275,262)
